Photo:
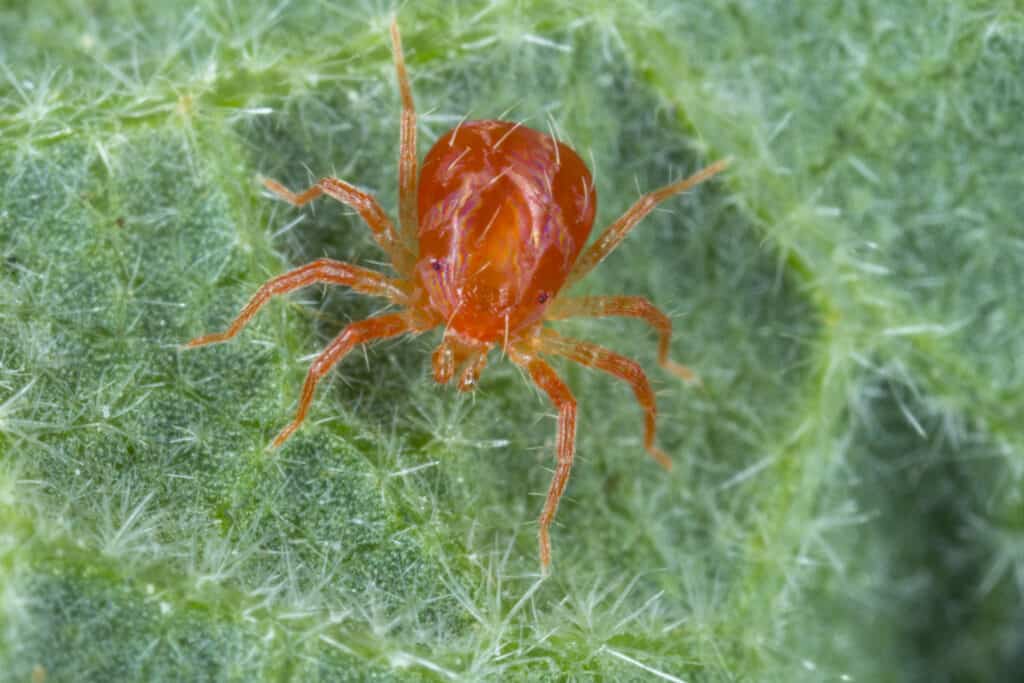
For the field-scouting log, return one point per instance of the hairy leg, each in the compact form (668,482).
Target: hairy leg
(629,371)
(629,307)
(618,230)
(565,443)
(365,204)
(321,270)
(352,336)
(408,173)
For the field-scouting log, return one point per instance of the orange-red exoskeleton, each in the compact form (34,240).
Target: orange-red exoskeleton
(493,227)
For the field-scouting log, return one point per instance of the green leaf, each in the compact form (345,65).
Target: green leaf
(846,501)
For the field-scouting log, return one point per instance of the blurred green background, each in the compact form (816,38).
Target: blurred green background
(846,503)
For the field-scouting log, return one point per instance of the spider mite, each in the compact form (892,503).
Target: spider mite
(492,228)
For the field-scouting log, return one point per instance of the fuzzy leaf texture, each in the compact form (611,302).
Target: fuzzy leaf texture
(846,502)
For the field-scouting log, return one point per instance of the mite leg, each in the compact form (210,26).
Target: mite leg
(408,173)
(629,307)
(565,443)
(352,336)
(367,207)
(618,230)
(321,270)
(629,371)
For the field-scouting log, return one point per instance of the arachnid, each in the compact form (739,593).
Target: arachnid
(492,228)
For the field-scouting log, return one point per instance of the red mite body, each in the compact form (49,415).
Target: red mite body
(492,229)
(504,213)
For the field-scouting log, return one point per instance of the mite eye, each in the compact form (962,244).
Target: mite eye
(542,297)
(436,265)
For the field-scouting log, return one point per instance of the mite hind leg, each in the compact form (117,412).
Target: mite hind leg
(365,204)
(408,163)
(618,230)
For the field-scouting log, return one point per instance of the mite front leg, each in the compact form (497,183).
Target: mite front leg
(618,230)
(321,270)
(352,336)
(365,204)
(565,442)
(629,371)
(629,307)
